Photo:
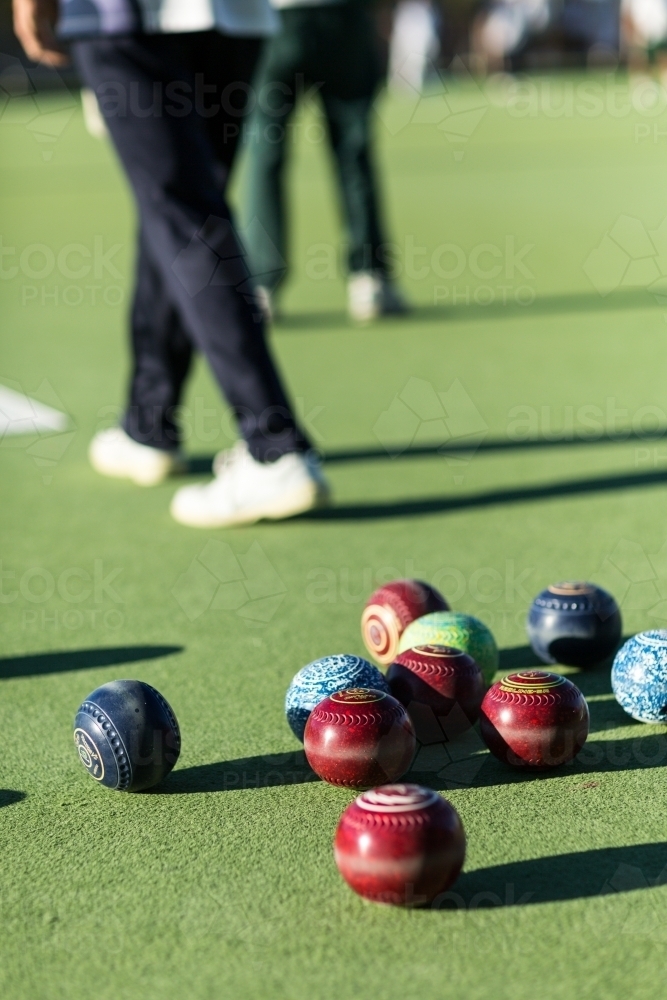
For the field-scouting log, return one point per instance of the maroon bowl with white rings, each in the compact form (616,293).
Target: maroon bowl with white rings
(400,844)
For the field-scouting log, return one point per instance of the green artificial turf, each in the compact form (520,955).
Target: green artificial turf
(221,883)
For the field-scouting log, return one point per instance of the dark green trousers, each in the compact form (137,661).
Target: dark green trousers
(331,51)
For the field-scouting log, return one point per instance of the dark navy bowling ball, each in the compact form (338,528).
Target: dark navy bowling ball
(127,736)
(578,624)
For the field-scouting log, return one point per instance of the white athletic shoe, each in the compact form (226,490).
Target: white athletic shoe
(245,491)
(371,295)
(114,453)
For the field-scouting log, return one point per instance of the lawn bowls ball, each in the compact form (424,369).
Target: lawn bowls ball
(453,628)
(578,624)
(442,689)
(321,678)
(639,676)
(534,719)
(390,610)
(400,844)
(127,736)
(358,738)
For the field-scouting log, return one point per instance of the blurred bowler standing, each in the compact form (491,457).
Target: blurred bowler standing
(172,79)
(327,47)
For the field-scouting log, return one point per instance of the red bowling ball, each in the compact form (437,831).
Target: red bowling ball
(442,689)
(534,719)
(400,844)
(389,611)
(358,738)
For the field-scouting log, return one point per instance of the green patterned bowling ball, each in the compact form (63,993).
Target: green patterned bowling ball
(453,628)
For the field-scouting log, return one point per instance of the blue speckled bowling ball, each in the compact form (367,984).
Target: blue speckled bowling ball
(321,678)
(639,676)
(578,624)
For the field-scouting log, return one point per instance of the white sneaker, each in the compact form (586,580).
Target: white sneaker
(245,491)
(371,295)
(114,453)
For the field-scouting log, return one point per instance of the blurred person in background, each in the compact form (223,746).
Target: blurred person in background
(414,44)
(330,48)
(506,31)
(503,27)
(644,33)
(166,76)
(592,27)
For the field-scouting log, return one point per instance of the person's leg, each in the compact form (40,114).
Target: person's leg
(186,224)
(161,348)
(348,121)
(162,352)
(350,85)
(228,64)
(264,212)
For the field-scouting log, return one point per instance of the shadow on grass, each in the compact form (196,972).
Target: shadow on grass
(598,757)
(447,450)
(263,771)
(543,305)
(33,664)
(491,498)
(520,658)
(578,875)
(8,797)
(201,464)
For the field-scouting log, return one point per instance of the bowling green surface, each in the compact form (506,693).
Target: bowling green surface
(506,435)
